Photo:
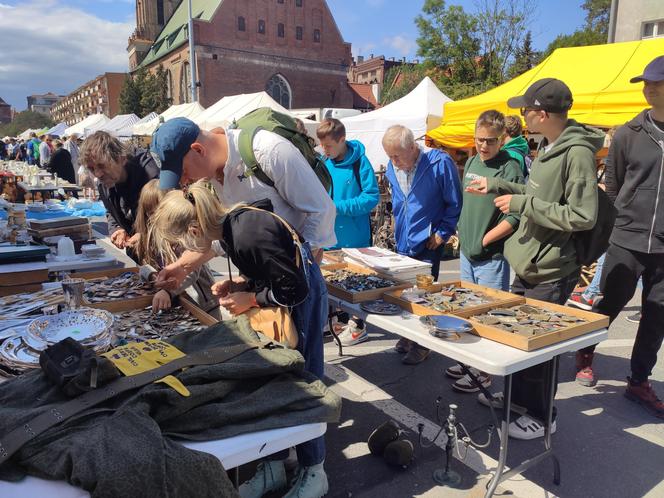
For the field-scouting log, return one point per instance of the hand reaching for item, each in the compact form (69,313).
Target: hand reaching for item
(161,301)
(477,186)
(238,302)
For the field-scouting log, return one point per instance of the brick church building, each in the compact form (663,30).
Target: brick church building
(291,49)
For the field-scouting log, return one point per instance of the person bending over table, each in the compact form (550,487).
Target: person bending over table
(276,271)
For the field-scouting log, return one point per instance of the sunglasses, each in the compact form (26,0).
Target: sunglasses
(488,141)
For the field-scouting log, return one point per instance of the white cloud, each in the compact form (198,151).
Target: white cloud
(401,44)
(364,49)
(48,46)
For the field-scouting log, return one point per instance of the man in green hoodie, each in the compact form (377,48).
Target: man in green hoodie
(559,198)
(516,146)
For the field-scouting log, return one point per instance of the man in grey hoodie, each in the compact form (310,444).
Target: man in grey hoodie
(635,182)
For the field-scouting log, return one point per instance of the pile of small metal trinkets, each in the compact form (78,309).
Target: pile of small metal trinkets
(527,320)
(356,282)
(136,325)
(452,298)
(29,302)
(126,286)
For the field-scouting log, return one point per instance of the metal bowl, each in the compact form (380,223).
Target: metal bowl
(86,325)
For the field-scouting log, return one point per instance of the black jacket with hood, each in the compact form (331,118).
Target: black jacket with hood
(635,182)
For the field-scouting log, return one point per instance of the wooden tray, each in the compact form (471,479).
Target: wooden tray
(502,300)
(594,321)
(368,295)
(137,304)
(142,301)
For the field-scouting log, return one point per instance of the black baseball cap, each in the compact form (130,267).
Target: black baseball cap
(654,71)
(547,94)
(170,143)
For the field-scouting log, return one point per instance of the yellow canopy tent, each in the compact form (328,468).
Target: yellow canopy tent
(598,76)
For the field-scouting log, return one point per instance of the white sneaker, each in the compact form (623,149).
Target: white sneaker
(525,427)
(354,333)
(310,482)
(270,476)
(498,401)
(466,385)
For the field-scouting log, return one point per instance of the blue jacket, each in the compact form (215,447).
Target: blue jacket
(433,204)
(353,203)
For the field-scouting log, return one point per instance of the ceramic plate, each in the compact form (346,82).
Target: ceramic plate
(380,307)
(84,325)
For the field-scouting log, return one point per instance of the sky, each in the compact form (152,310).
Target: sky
(56,45)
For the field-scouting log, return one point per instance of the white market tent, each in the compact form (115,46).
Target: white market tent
(190,111)
(26,134)
(420,110)
(58,130)
(128,129)
(88,122)
(232,107)
(117,123)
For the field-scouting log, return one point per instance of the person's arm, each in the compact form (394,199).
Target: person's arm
(580,209)
(502,187)
(172,276)
(615,167)
(450,188)
(512,174)
(368,198)
(500,231)
(297,183)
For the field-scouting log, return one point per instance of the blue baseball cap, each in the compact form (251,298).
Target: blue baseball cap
(654,71)
(170,143)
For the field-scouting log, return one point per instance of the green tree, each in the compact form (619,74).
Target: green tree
(526,57)
(130,97)
(594,31)
(24,120)
(154,97)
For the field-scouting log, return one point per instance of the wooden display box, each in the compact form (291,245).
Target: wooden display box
(594,321)
(368,295)
(502,299)
(141,301)
(138,304)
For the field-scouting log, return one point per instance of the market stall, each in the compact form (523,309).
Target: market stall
(597,75)
(88,122)
(420,111)
(190,110)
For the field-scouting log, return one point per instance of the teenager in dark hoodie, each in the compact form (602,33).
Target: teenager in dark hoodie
(635,182)
(559,198)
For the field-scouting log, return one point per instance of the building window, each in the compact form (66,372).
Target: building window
(241,26)
(185,84)
(160,12)
(298,32)
(261,26)
(280,30)
(316,35)
(298,3)
(653,29)
(278,88)
(280,1)
(169,85)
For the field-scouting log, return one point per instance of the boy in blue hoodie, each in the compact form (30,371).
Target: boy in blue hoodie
(354,187)
(355,193)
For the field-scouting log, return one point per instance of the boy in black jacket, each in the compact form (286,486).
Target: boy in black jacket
(635,182)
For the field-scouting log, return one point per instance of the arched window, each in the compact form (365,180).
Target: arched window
(169,85)
(279,89)
(185,85)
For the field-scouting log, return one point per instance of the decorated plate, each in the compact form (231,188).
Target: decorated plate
(380,307)
(85,325)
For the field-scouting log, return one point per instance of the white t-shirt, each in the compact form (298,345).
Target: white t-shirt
(297,195)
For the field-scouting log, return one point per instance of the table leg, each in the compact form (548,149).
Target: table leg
(236,477)
(549,420)
(504,437)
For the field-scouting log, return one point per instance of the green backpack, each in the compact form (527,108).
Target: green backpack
(265,118)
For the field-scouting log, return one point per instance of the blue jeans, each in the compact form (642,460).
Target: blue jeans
(310,317)
(494,273)
(593,289)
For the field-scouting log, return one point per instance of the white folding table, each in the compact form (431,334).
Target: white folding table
(232,452)
(490,357)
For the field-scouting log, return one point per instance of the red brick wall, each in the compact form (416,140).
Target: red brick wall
(232,62)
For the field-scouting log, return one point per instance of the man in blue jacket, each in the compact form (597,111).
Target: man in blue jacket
(426,201)
(354,186)
(355,193)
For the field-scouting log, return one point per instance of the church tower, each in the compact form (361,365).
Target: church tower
(151,17)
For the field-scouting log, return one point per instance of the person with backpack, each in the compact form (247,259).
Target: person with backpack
(483,228)
(355,193)
(559,200)
(33,149)
(354,187)
(635,182)
(246,164)
(516,145)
